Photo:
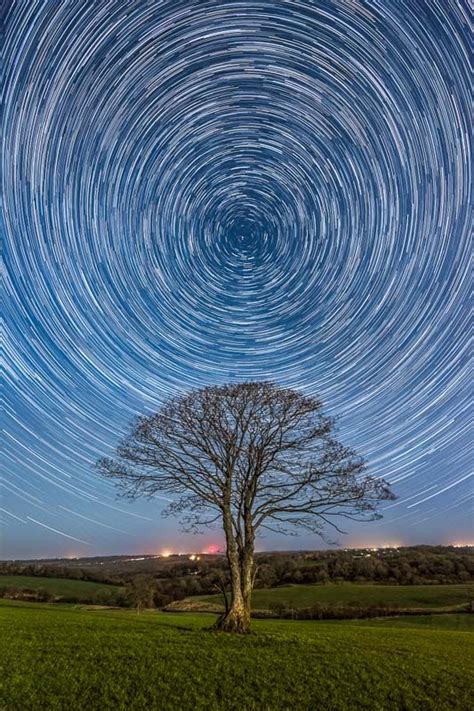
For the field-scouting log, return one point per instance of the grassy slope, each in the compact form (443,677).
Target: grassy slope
(390,595)
(58,586)
(457,622)
(58,658)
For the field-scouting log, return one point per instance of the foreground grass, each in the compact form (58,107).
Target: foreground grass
(61,587)
(403,596)
(57,658)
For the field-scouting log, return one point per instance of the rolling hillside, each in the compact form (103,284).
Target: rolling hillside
(116,659)
(61,588)
(302,596)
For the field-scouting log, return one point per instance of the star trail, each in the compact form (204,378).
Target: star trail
(199,192)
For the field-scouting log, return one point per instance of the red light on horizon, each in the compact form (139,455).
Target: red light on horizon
(212,550)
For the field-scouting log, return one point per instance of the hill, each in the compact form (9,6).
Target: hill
(120,660)
(447,597)
(61,589)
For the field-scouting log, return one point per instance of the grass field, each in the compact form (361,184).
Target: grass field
(408,596)
(83,590)
(460,623)
(59,658)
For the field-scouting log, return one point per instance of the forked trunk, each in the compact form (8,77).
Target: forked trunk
(237,617)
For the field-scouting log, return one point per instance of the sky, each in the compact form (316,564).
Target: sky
(200,192)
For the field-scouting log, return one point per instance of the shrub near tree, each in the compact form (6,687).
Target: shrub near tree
(250,457)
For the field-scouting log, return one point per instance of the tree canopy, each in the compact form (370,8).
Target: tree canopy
(250,456)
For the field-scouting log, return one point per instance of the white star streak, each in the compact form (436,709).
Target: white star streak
(197,192)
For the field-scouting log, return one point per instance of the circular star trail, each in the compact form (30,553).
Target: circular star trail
(198,192)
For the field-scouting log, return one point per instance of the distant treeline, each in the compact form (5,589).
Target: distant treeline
(405,566)
(178,577)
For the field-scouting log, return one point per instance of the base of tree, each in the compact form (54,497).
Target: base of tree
(235,621)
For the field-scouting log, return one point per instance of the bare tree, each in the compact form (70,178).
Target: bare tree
(139,592)
(250,456)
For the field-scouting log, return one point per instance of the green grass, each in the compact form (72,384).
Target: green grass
(408,596)
(458,622)
(56,658)
(83,590)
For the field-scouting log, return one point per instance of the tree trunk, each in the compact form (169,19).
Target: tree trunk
(237,617)
(247,575)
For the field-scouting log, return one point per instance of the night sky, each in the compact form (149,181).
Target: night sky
(199,192)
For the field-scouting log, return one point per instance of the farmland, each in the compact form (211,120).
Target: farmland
(57,657)
(394,596)
(459,623)
(80,590)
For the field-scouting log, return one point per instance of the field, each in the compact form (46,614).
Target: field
(460,623)
(398,596)
(59,657)
(82,590)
